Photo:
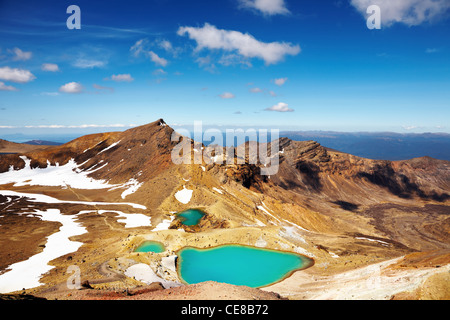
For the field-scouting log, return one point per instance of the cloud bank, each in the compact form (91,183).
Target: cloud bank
(20,55)
(266,7)
(51,67)
(4,87)
(280,107)
(409,12)
(16,75)
(122,77)
(209,37)
(227,95)
(280,81)
(71,87)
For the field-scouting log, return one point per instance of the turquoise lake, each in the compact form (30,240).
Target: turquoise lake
(238,265)
(190,217)
(151,246)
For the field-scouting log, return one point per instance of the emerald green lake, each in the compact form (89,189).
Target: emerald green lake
(151,246)
(190,217)
(238,265)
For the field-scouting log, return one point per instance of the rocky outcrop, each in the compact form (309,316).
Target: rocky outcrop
(154,286)
(207,222)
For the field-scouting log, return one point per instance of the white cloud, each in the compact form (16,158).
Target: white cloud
(20,55)
(71,87)
(280,81)
(206,63)
(16,75)
(143,46)
(255,90)
(88,63)
(234,59)
(431,50)
(122,77)
(409,12)
(227,95)
(410,127)
(280,107)
(246,45)
(166,45)
(51,94)
(138,47)
(82,126)
(50,67)
(159,72)
(157,59)
(4,87)
(267,7)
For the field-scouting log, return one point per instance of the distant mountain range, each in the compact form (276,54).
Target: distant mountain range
(13,147)
(43,143)
(372,145)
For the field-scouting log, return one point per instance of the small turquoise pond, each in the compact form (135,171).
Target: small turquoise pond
(190,217)
(151,246)
(238,265)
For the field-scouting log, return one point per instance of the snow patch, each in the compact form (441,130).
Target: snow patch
(32,197)
(265,209)
(169,263)
(218,158)
(111,146)
(217,190)
(133,185)
(259,223)
(164,225)
(304,252)
(261,243)
(184,196)
(26,274)
(291,232)
(296,225)
(131,220)
(333,255)
(374,240)
(69,174)
(142,272)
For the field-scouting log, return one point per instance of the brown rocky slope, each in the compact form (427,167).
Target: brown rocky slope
(346,212)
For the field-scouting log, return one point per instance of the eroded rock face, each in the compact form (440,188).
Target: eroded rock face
(207,222)
(247,175)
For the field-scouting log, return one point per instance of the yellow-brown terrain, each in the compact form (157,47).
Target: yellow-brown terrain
(375,229)
(12,147)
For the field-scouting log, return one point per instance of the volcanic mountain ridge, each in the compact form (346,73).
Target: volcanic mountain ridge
(344,211)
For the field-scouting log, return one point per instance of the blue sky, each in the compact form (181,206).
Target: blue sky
(299,65)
